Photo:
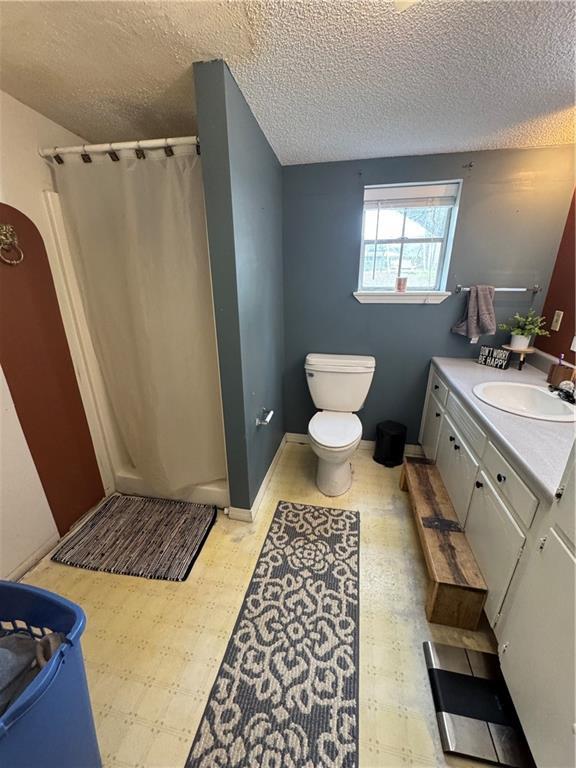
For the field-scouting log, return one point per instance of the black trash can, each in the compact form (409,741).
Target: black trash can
(390,442)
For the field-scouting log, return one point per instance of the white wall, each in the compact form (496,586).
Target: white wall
(23,174)
(27,528)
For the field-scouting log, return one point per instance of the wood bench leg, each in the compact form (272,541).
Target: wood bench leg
(454,606)
(403,483)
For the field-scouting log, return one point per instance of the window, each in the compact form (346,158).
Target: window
(407,231)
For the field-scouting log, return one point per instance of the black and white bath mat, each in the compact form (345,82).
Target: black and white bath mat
(286,693)
(140,536)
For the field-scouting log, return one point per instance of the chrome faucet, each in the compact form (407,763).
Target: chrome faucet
(565,391)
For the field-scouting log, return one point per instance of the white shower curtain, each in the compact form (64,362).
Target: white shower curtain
(139,241)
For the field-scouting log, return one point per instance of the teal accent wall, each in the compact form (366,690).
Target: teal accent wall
(243,192)
(513,209)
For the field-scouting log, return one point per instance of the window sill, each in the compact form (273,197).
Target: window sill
(395,297)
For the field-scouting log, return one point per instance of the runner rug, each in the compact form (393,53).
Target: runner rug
(140,536)
(286,693)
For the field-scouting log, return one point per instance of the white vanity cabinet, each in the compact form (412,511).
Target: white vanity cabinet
(524,544)
(434,406)
(564,510)
(510,485)
(458,467)
(431,424)
(496,540)
(494,505)
(537,653)
(438,387)
(538,636)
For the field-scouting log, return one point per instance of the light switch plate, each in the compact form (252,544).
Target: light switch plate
(556,320)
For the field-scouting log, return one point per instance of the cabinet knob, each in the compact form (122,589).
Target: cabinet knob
(437,415)
(479,484)
(452,438)
(456,447)
(501,478)
(436,386)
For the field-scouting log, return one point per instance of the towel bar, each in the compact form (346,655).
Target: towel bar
(533,289)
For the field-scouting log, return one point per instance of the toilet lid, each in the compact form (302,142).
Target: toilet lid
(335,430)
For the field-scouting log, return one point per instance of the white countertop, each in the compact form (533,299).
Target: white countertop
(538,450)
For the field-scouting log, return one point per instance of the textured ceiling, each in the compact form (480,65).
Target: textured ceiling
(327,80)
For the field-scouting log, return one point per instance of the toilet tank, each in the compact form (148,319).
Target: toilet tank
(339,382)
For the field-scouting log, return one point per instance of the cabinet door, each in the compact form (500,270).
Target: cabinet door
(563,512)
(496,541)
(431,428)
(457,467)
(537,653)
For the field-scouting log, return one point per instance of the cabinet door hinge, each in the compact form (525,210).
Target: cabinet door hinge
(504,647)
(560,491)
(542,543)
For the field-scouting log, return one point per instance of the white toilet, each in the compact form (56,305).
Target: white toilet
(338,385)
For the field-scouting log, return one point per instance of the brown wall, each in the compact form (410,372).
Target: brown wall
(562,295)
(36,361)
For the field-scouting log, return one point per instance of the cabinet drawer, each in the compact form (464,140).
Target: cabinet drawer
(515,490)
(438,388)
(431,427)
(457,466)
(466,425)
(496,541)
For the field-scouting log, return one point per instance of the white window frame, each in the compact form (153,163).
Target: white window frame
(431,296)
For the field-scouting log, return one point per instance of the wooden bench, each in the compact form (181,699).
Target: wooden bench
(457,590)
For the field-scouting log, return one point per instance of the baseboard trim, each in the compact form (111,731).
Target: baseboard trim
(296,437)
(240,513)
(412,449)
(249,515)
(26,565)
(57,542)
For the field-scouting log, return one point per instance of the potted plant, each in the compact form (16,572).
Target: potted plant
(523,328)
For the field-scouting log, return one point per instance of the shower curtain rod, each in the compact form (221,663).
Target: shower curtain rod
(118,145)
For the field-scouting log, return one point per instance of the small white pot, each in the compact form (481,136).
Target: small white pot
(519,342)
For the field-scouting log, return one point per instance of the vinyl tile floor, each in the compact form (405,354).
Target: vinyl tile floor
(153,648)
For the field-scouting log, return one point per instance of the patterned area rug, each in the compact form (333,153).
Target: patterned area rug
(140,536)
(286,694)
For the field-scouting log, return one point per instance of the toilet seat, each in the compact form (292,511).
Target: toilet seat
(333,429)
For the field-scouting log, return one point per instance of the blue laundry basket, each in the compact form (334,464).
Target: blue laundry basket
(50,724)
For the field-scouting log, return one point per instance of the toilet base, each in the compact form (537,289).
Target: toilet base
(333,479)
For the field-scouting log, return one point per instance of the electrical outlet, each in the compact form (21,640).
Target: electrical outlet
(556,320)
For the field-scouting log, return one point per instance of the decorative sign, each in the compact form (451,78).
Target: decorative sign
(494,357)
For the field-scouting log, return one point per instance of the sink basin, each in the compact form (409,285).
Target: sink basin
(525,400)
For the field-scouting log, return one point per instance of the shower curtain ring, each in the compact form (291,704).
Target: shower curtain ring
(168,151)
(139,151)
(84,155)
(112,154)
